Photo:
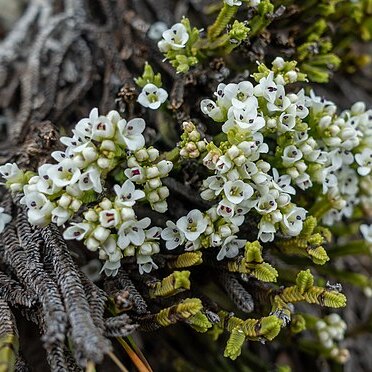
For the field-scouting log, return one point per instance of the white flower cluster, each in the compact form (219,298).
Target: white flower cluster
(113,229)
(57,192)
(313,144)
(276,143)
(99,145)
(207,229)
(174,39)
(347,141)
(330,332)
(242,181)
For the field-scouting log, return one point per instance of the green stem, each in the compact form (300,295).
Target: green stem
(354,247)
(223,19)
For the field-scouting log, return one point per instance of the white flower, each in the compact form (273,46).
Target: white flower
(210,108)
(225,208)
(39,208)
(224,164)
(286,122)
(291,155)
(283,183)
(84,127)
(130,133)
(102,128)
(266,204)
(145,264)
(230,247)
(112,250)
(174,38)
(109,218)
(366,231)
(45,183)
(11,172)
(91,179)
(4,219)
(127,195)
(111,268)
(293,221)
(237,191)
(192,225)
(303,181)
(266,88)
(266,231)
(364,160)
(330,179)
(65,173)
(172,235)
(135,174)
(132,231)
(244,118)
(60,215)
(241,94)
(152,96)
(77,231)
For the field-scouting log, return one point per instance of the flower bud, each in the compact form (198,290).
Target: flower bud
(293,172)
(146,249)
(92,244)
(153,153)
(141,155)
(65,201)
(188,126)
(301,166)
(79,160)
(358,108)
(291,76)
(201,145)
(271,123)
(129,251)
(103,163)
(279,79)
(127,213)
(153,197)
(154,183)
(160,206)
(240,160)
(101,234)
(76,204)
(163,192)
(132,162)
(108,145)
(155,248)
(90,154)
(91,216)
(278,63)
(225,231)
(164,166)
(233,152)
(105,204)
(152,172)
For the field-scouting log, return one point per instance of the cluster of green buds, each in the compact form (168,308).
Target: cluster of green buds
(191,144)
